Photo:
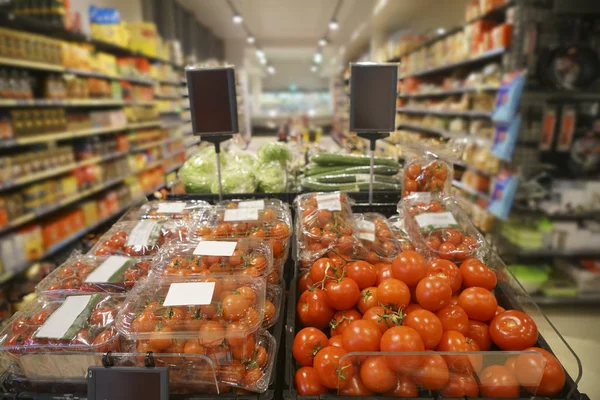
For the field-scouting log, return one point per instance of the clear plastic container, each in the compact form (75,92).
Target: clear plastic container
(51,325)
(214,309)
(425,172)
(139,238)
(271,223)
(324,223)
(272,306)
(247,256)
(378,242)
(439,228)
(396,223)
(258,204)
(92,274)
(167,210)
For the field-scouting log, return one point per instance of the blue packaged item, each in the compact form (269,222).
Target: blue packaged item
(508,97)
(505,139)
(104,15)
(503,196)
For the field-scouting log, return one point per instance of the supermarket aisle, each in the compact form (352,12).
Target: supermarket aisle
(326,143)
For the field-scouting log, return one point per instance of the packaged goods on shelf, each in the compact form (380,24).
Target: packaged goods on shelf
(141,114)
(425,172)
(106,26)
(29,47)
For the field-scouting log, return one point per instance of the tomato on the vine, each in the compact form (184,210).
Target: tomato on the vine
(363,273)
(361,335)
(409,267)
(307,343)
(402,339)
(384,318)
(307,382)
(393,293)
(479,303)
(341,319)
(342,294)
(541,374)
(367,299)
(433,293)
(377,375)
(314,310)
(333,369)
(476,273)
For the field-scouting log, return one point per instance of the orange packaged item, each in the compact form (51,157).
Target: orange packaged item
(427,173)
(501,36)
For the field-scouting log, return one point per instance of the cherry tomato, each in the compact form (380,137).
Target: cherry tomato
(446,251)
(342,294)
(235,307)
(40,317)
(383,317)
(433,242)
(393,293)
(384,271)
(446,270)
(480,333)
(211,334)
(361,335)
(305,282)
(409,267)
(307,382)
(496,381)
(513,330)
(402,338)
(427,325)
(404,388)
(341,319)
(479,303)
(333,369)
(454,318)
(453,236)
(413,170)
(376,374)
(460,385)
(433,372)
(541,374)
(314,310)
(307,344)
(160,339)
(476,273)
(433,293)
(363,273)
(102,316)
(19,324)
(367,299)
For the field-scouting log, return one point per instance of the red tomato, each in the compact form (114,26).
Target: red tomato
(305,282)
(479,332)
(363,273)
(410,185)
(513,330)
(314,310)
(40,317)
(541,374)
(460,385)
(499,310)
(476,273)
(454,341)
(409,267)
(341,319)
(393,293)
(307,382)
(376,374)
(433,242)
(404,388)
(336,341)
(402,338)
(333,369)
(497,382)
(510,365)
(446,270)
(355,387)
(433,372)
(342,294)
(433,293)
(446,251)
(307,344)
(367,299)
(411,307)
(361,335)
(453,236)
(479,303)
(427,325)
(384,271)
(322,267)
(383,317)
(413,170)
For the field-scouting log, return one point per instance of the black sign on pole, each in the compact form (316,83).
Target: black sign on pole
(373,93)
(128,383)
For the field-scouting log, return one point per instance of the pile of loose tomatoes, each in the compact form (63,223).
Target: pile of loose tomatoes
(433,176)
(412,305)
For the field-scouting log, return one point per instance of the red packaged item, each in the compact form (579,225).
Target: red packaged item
(92,274)
(439,228)
(324,223)
(427,173)
(166,210)
(378,242)
(139,238)
(35,340)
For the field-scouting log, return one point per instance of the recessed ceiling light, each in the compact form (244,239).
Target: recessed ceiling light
(237,19)
(314,68)
(263,61)
(440,31)
(323,42)
(250,39)
(271,69)
(318,58)
(260,53)
(333,25)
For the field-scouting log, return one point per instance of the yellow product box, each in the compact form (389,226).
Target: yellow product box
(68,186)
(90,212)
(33,241)
(143,37)
(105,63)
(116,34)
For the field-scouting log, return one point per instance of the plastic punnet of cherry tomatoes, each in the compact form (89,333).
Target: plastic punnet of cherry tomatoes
(426,176)
(89,326)
(258,203)
(396,224)
(139,238)
(82,274)
(186,210)
(378,242)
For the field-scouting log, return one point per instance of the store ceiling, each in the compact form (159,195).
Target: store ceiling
(288,31)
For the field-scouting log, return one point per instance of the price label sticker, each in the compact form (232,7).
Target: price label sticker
(215,248)
(60,321)
(144,232)
(258,204)
(436,220)
(329,201)
(189,294)
(366,230)
(105,271)
(240,214)
(171,208)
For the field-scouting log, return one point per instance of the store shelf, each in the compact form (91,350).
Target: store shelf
(60,103)
(140,103)
(508,249)
(12,62)
(57,171)
(169,82)
(482,196)
(469,167)
(483,58)
(444,113)
(572,216)
(451,92)
(141,125)
(166,97)
(422,129)
(579,300)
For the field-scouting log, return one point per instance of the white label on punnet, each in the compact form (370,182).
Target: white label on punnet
(240,214)
(107,269)
(215,248)
(436,220)
(190,294)
(140,234)
(171,208)
(366,229)
(258,204)
(329,202)
(59,322)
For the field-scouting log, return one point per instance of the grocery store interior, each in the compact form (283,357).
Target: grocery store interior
(226,197)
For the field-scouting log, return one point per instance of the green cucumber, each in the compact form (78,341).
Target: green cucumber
(327,159)
(352,178)
(314,185)
(314,169)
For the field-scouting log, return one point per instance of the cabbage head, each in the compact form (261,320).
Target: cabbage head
(271,177)
(274,151)
(236,178)
(199,171)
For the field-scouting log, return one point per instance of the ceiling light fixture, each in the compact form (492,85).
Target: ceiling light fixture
(263,61)
(250,39)
(237,19)
(260,53)
(318,58)
(333,25)
(314,68)
(323,42)
(271,69)
(440,31)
